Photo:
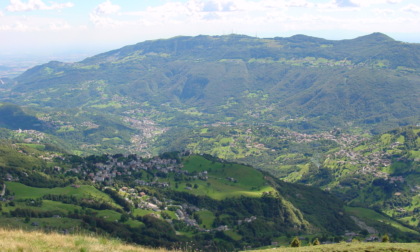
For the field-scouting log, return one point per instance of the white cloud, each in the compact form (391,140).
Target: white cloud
(217,6)
(394,1)
(194,11)
(16,27)
(346,3)
(412,8)
(300,3)
(100,16)
(384,12)
(107,8)
(257,15)
(34,24)
(112,24)
(104,21)
(59,26)
(31,5)
(364,3)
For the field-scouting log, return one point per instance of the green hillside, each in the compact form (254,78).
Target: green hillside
(380,172)
(124,99)
(13,117)
(165,135)
(197,197)
(386,177)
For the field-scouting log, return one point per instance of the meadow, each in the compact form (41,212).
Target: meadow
(246,181)
(371,217)
(353,247)
(18,240)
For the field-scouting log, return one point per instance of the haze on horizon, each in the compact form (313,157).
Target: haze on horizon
(77,27)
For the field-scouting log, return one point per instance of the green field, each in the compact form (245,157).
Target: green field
(246,180)
(207,218)
(84,191)
(141,212)
(371,217)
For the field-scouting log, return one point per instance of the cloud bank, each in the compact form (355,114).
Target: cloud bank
(110,21)
(32,5)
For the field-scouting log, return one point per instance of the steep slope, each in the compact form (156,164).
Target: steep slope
(387,177)
(13,117)
(380,172)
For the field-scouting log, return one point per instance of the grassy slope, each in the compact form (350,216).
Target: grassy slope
(353,247)
(250,182)
(23,192)
(84,191)
(370,217)
(18,240)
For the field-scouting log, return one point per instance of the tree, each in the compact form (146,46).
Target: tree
(295,242)
(124,217)
(385,238)
(316,242)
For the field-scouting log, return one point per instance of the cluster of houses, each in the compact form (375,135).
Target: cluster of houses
(148,129)
(55,123)
(182,214)
(31,136)
(107,172)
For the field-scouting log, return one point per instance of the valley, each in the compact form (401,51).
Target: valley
(230,141)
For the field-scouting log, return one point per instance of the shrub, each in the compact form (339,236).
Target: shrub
(295,242)
(385,238)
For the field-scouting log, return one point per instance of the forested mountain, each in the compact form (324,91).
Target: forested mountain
(370,80)
(303,83)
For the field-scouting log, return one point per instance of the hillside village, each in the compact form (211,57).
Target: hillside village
(119,166)
(368,161)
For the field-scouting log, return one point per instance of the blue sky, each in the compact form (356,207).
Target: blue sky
(39,26)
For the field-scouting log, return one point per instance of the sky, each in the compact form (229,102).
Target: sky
(93,26)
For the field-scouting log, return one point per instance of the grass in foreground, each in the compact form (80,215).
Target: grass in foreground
(18,240)
(354,247)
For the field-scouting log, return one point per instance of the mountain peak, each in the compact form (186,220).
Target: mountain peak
(376,37)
